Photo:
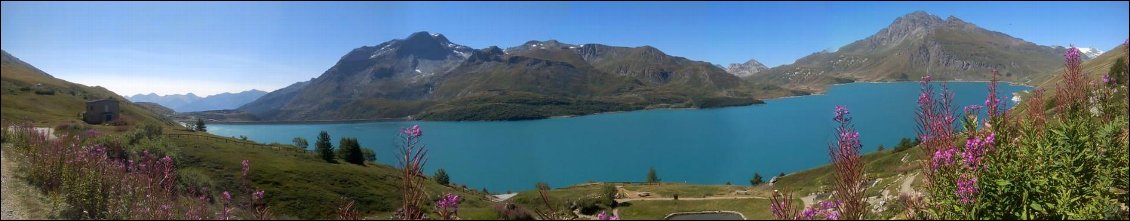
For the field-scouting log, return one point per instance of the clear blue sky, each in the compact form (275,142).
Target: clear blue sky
(214,47)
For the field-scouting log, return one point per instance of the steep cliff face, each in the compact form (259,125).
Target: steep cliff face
(917,43)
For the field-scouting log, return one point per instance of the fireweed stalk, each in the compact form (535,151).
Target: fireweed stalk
(849,168)
(1071,93)
(993,102)
(412,160)
(847,201)
(935,120)
(952,172)
(781,205)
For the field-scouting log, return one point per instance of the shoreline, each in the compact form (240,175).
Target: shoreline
(409,119)
(350,121)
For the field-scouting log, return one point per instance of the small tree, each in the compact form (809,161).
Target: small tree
(651,176)
(441,177)
(757,180)
(342,150)
(200,125)
(350,151)
(300,142)
(881,148)
(904,143)
(369,155)
(324,147)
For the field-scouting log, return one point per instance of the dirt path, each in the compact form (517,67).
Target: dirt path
(905,186)
(10,205)
(631,196)
(691,198)
(809,200)
(18,200)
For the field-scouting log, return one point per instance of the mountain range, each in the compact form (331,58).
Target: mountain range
(426,76)
(192,103)
(917,43)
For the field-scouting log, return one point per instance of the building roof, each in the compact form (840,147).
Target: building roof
(101,100)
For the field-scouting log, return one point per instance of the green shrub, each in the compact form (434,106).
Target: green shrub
(300,142)
(756,180)
(193,178)
(442,178)
(589,205)
(45,91)
(608,195)
(369,155)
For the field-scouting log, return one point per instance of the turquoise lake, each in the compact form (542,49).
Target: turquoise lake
(709,146)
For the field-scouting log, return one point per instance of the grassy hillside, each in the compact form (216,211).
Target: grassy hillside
(888,170)
(30,95)
(295,180)
(1094,69)
(297,184)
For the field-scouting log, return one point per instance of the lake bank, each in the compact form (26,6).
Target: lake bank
(705,146)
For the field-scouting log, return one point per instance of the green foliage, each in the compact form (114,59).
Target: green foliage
(651,176)
(905,143)
(199,126)
(1073,167)
(881,148)
(44,91)
(350,150)
(756,180)
(194,178)
(369,155)
(519,106)
(1117,71)
(719,101)
(300,142)
(1085,175)
(589,205)
(608,194)
(324,148)
(442,178)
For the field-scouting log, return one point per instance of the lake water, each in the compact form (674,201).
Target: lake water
(710,146)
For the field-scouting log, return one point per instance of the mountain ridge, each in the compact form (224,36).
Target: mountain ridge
(951,49)
(425,74)
(190,102)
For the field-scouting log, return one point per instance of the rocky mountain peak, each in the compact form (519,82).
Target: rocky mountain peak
(917,23)
(749,68)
